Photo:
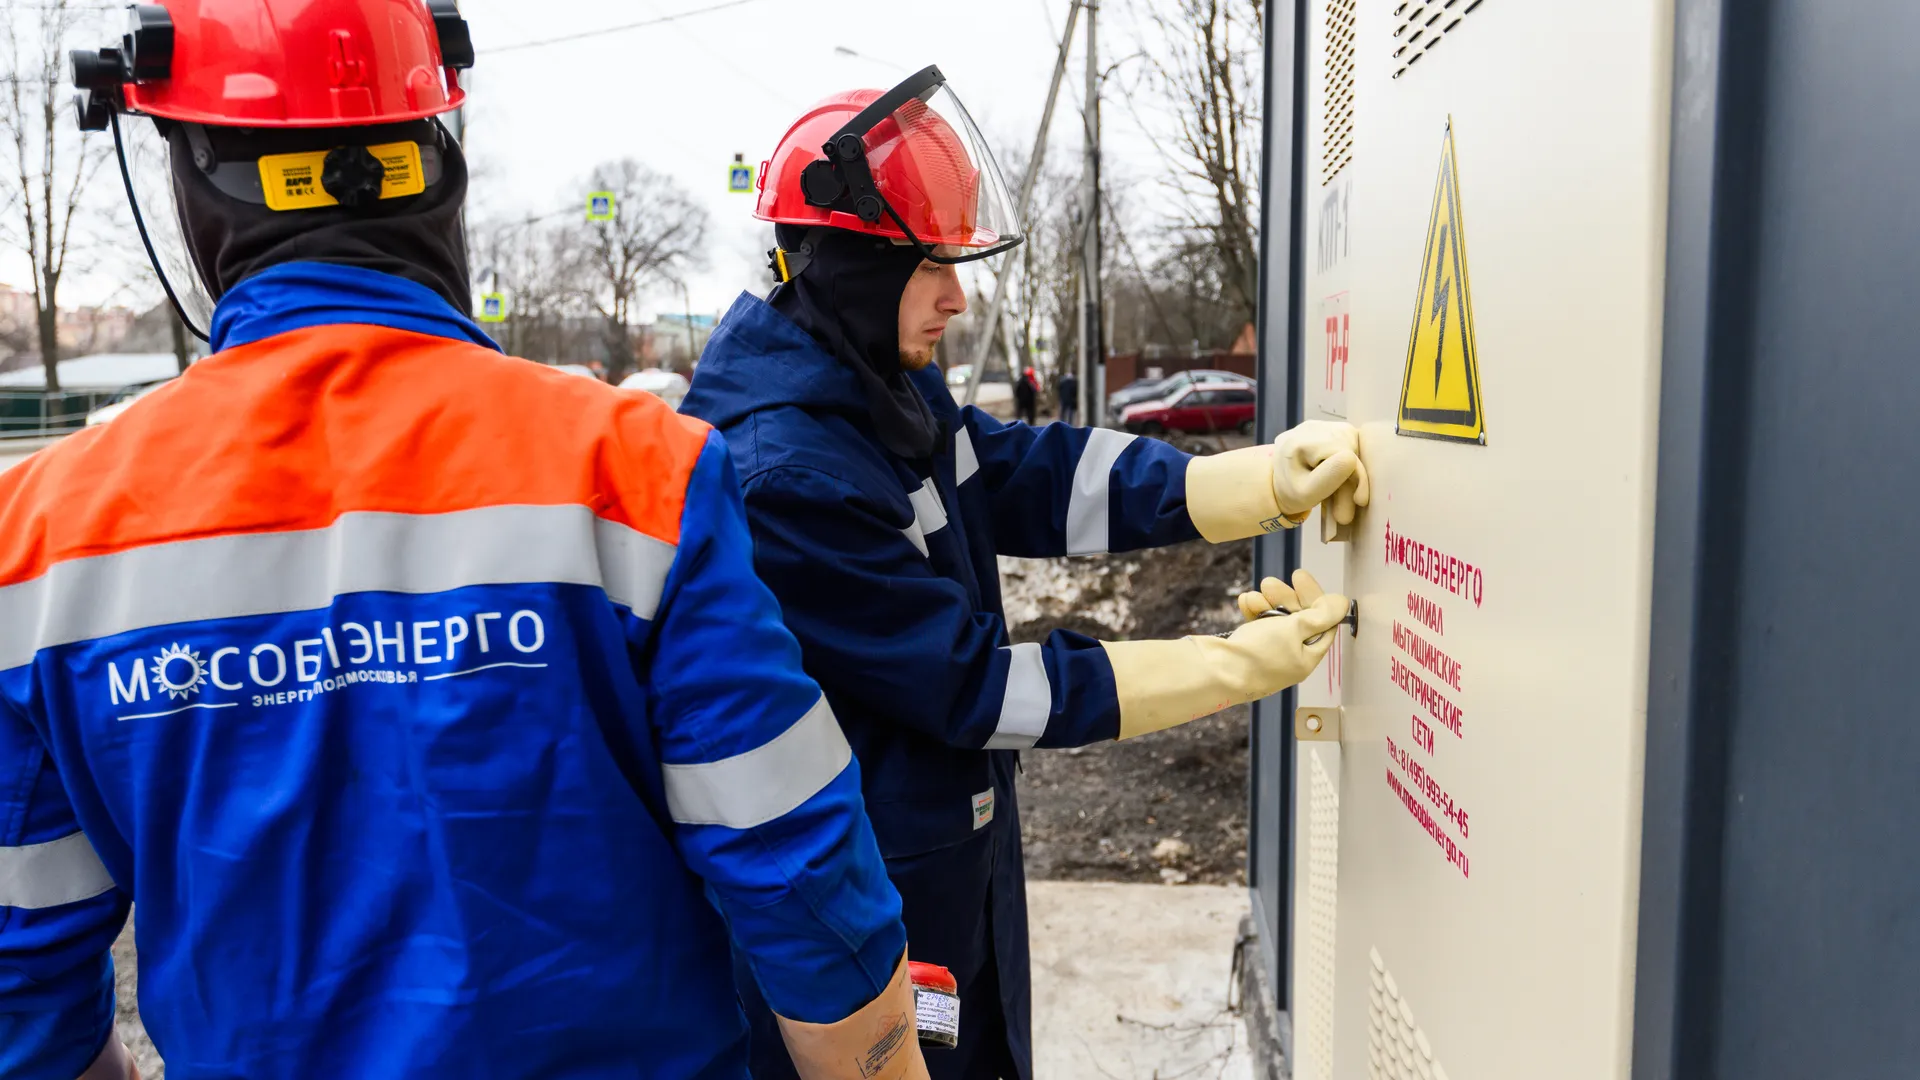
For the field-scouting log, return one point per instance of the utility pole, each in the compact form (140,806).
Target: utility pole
(1092,337)
(693,354)
(1003,281)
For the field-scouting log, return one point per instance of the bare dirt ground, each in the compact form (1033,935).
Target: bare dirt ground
(1167,807)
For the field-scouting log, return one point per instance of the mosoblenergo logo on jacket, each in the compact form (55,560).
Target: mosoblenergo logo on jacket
(182,676)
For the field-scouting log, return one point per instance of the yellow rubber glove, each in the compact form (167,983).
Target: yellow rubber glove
(1258,489)
(1162,684)
(877,1043)
(1276,595)
(1319,462)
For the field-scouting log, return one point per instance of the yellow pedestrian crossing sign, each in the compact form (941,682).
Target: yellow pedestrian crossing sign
(493,308)
(600,206)
(1440,391)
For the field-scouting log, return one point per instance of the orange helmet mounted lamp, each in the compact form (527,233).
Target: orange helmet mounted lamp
(287,104)
(907,164)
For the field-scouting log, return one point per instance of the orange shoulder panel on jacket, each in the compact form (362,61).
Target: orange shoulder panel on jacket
(291,432)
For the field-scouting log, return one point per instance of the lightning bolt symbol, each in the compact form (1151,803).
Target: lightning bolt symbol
(1437,309)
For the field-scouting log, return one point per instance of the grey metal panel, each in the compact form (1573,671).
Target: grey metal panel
(1682,708)
(1780,915)
(1821,930)
(1270,792)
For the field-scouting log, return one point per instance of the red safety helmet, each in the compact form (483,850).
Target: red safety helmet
(907,164)
(274,69)
(280,63)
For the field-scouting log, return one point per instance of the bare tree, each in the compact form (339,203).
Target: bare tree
(1176,299)
(657,234)
(52,163)
(1043,308)
(1207,71)
(177,337)
(1049,268)
(529,261)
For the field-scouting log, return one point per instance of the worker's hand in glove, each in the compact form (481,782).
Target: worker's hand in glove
(1164,683)
(1258,489)
(1319,462)
(1277,595)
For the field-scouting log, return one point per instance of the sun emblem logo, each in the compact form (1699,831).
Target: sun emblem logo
(178,671)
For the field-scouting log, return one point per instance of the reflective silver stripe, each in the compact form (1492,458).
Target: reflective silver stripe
(225,577)
(1028,702)
(929,516)
(1087,509)
(633,565)
(62,871)
(915,537)
(764,783)
(965,464)
(928,512)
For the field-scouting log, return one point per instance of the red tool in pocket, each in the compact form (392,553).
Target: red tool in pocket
(936,1004)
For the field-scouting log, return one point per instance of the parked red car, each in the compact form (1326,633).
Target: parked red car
(1199,409)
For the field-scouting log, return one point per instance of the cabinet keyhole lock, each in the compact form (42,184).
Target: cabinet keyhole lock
(1351,622)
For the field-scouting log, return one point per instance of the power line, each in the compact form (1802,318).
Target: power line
(605,30)
(728,61)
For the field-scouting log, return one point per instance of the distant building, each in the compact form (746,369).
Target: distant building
(101,371)
(84,330)
(78,330)
(667,344)
(16,307)
(1247,344)
(18,329)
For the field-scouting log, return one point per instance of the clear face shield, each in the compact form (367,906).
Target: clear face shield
(914,165)
(146,167)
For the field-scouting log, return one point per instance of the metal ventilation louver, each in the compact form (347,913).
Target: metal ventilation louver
(1313,1013)
(1336,99)
(1397,1049)
(1420,24)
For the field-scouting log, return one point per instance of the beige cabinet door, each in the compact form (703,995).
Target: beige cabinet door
(1484,215)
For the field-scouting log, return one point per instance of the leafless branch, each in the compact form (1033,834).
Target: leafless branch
(51,164)
(657,234)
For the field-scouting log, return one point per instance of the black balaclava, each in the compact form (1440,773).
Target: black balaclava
(848,298)
(417,237)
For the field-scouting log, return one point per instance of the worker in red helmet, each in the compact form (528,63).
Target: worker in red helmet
(878,510)
(422,699)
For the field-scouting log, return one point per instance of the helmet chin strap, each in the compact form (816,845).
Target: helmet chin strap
(140,222)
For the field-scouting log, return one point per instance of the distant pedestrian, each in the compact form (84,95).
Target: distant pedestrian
(1069,390)
(1026,396)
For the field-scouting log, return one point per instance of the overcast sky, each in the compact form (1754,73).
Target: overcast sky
(684,96)
(687,95)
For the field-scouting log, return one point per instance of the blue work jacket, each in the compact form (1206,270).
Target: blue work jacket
(886,571)
(424,701)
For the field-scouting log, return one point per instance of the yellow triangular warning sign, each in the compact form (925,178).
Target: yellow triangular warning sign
(1440,392)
